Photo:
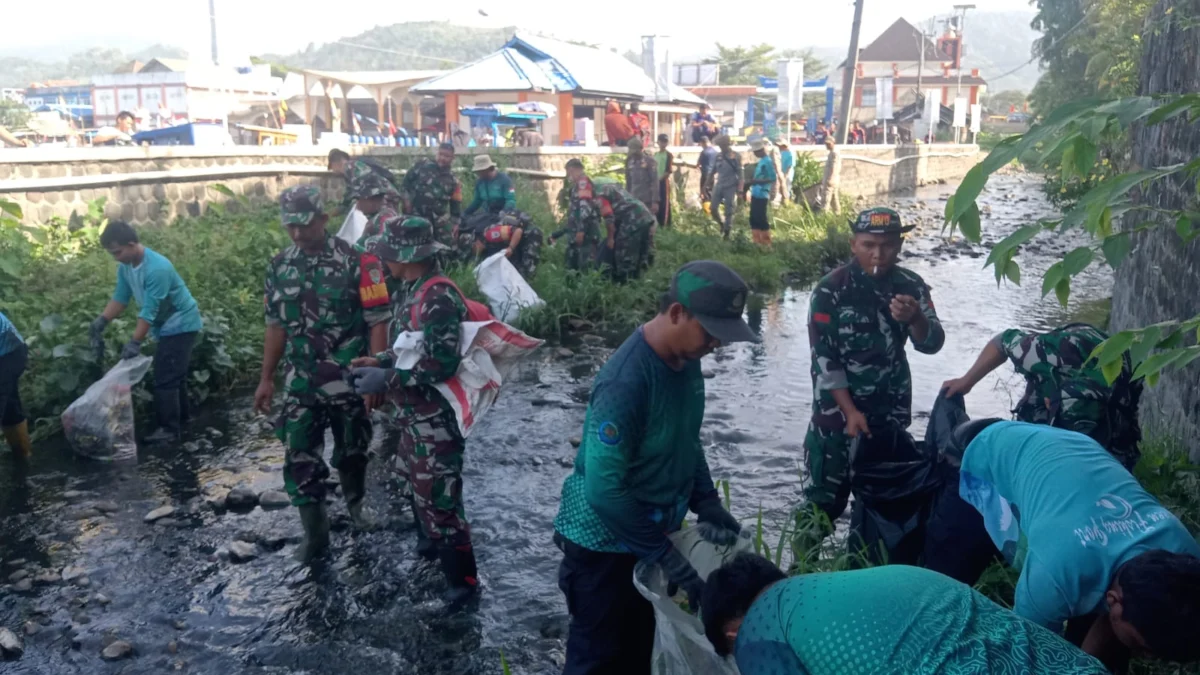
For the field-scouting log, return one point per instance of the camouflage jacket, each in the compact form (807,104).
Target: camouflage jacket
(641,178)
(435,194)
(439,318)
(374,224)
(583,210)
(1063,390)
(856,343)
(317,299)
(620,207)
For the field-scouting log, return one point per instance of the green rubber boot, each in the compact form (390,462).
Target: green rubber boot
(315,520)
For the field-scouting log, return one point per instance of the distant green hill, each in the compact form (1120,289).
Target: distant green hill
(424,45)
(16,71)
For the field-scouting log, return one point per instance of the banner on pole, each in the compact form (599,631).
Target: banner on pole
(976,118)
(791,86)
(883,98)
(960,112)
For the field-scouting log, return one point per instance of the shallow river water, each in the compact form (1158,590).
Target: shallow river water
(171,590)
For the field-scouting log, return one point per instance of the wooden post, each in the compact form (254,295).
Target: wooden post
(451,112)
(566,117)
(380,104)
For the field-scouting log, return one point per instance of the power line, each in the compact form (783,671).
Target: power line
(1054,44)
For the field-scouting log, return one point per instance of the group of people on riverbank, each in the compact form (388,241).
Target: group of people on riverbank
(1106,571)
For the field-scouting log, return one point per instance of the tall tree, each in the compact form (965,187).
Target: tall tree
(743,65)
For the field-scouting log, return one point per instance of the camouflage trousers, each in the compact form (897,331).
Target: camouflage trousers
(430,459)
(528,253)
(301,427)
(581,257)
(630,253)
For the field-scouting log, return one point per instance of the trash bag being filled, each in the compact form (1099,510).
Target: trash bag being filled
(894,479)
(680,647)
(99,424)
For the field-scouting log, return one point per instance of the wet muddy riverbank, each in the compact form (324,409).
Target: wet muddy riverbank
(213,589)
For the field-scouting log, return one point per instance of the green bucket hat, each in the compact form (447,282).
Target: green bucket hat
(405,239)
(879,220)
(299,205)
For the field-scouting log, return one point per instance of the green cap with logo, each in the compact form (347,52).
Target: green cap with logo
(716,296)
(299,205)
(879,220)
(405,239)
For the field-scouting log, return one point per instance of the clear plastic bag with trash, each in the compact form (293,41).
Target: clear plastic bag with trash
(680,647)
(100,424)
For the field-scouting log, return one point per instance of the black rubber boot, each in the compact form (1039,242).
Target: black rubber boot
(315,520)
(354,489)
(166,408)
(458,564)
(425,546)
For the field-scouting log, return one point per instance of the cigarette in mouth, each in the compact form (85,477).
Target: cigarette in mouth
(875,270)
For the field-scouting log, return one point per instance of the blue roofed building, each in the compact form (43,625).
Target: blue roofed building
(571,82)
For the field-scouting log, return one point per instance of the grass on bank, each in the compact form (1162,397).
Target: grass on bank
(55,278)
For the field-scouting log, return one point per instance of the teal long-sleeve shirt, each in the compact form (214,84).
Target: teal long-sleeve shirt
(641,465)
(495,194)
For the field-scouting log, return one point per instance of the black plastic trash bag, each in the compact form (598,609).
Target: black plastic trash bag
(894,479)
(947,414)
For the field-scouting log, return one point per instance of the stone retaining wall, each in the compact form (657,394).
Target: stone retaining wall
(154,185)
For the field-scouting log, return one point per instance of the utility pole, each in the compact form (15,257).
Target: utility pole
(212,23)
(848,78)
(962,37)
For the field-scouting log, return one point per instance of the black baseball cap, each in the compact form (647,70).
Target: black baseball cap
(716,296)
(879,220)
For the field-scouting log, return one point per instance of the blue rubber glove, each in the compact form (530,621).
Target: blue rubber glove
(681,573)
(132,348)
(369,380)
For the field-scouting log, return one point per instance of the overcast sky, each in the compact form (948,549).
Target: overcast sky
(256,26)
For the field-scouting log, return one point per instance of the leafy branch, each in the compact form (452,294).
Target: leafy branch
(1072,136)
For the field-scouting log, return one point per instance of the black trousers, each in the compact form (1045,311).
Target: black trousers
(12,365)
(758,213)
(956,542)
(171,360)
(612,625)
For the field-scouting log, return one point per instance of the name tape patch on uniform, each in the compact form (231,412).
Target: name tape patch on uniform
(820,317)
(608,433)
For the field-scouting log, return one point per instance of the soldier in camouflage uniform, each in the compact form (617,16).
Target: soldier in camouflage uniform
(1064,390)
(514,233)
(861,316)
(641,175)
(375,196)
(354,169)
(431,191)
(628,223)
(316,325)
(583,218)
(430,456)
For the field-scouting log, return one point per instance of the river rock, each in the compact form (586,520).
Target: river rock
(160,512)
(107,506)
(241,551)
(191,446)
(85,514)
(117,651)
(172,647)
(578,324)
(31,628)
(18,575)
(71,495)
(71,573)
(564,353)
(23,586)
(707,374)
(101,599)
(241,498)
(274,499)
(593,339)
(575,441)
(537,461)
(10,644)
(16,562)
(48,577)
(215,433)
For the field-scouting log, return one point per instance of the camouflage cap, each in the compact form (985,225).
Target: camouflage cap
(369,184)
(404,239)
(299,205)
(879,220)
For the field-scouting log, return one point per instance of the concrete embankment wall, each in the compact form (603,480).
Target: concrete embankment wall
(1161,278)
(157,184)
